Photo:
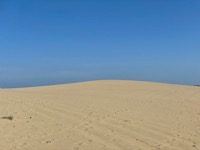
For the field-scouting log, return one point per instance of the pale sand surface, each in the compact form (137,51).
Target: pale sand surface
(101,115)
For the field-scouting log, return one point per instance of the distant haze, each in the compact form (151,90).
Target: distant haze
(53,42)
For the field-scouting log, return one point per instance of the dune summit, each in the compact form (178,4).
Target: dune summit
(101,115)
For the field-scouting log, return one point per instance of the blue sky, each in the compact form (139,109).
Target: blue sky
(61,41)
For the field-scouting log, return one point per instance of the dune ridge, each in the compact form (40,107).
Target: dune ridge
(101,115)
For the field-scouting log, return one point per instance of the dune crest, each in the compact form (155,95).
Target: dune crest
(101,115)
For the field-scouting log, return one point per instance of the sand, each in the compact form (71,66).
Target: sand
(101,115)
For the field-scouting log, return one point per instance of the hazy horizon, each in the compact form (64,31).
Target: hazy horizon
(57,42)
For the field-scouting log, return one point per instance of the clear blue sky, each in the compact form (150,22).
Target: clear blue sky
(61,41)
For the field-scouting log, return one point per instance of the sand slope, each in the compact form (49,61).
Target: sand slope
(101,115)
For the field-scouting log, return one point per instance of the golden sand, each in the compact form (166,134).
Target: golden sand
(101,115)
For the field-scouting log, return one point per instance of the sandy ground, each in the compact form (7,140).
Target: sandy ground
(101,115)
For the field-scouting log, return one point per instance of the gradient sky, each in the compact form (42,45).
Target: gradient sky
(61,41)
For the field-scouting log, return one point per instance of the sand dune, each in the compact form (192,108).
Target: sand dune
(101,115)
